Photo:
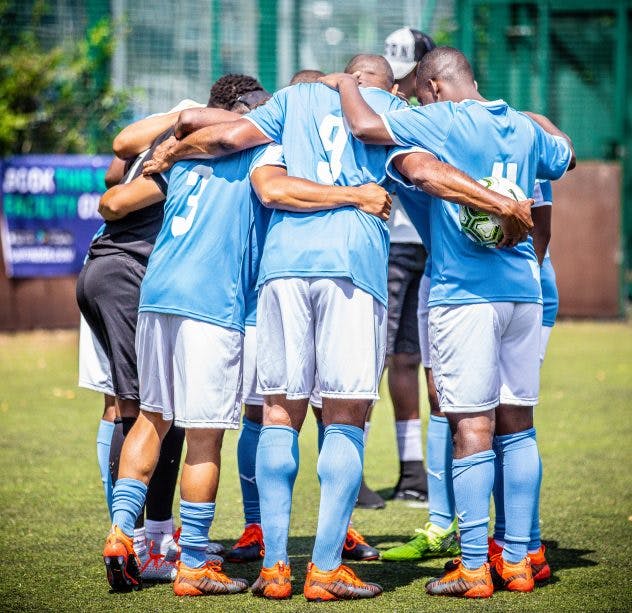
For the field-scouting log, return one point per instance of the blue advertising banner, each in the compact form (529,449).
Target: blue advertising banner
(49,212)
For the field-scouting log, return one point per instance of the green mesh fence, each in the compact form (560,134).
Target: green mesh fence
(560,57)
(569,59)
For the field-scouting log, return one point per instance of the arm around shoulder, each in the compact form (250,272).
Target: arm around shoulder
(138,136)
(120,200)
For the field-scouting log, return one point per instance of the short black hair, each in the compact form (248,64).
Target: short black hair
(228,88)
(378,62)
(445,64)
(306,76)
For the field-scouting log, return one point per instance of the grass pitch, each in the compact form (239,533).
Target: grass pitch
(54,520)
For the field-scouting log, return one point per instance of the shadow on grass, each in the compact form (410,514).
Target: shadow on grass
(561,558)
(390,575)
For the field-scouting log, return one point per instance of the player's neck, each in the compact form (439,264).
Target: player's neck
(470,93)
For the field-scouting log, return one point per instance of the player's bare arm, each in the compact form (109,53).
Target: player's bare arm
(191,120)
(138,136)
(115,172)
(278,191)
(548,126)
(364,123)
(210,142)
(541,232)
(121,200)
(444,181)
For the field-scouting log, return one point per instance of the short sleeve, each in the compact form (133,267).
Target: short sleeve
(162,181)
(268,155)
(422,126)
(554,154)
(270,117)
(542,194)
(392,171)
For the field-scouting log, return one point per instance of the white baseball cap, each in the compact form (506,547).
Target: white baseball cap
(187,103)
(404,48)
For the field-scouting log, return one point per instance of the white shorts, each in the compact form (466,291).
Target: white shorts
(319,329)
(316,398)
(422,320)
(486,354)
(249,393)
(94,366)
(545,334)
(189,370)
(249,389)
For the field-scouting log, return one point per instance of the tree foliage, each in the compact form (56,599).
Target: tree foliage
(58,100)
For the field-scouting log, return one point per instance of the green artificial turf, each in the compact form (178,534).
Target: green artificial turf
(54,520)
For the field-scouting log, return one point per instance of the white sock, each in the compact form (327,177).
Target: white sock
(140,541)
(367,427)
(161,533)
(409,440)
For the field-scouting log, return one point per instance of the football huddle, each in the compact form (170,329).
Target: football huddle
(270,252)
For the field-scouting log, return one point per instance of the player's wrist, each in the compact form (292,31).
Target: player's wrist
(348,196)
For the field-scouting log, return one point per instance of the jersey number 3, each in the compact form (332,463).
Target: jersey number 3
(182,224)
(334,138)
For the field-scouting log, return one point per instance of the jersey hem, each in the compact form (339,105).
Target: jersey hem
(95,388)
(470,408)
(209,423)
(482,300)
(195,316)
(382,299)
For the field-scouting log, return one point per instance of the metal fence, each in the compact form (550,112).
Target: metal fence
(565,58)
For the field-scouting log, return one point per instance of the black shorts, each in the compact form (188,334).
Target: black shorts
(406,262)
(108,292)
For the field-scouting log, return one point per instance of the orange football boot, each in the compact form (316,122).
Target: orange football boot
(121,562)
(249,547)
(493,549)
(356,548)
(274,583)
(456,580)
(338,584)
(540,568)
(513,577)
(208,580)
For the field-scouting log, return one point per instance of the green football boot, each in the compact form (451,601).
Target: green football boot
(430,542)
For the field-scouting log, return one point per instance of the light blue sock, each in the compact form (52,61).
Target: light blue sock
(439,469)
(321,433)
(246,462)
(196,518)
(277,467)
(128,498)
(499,493)
(104,438)
(521,478)
(340,473)
(473,479)
(535,541)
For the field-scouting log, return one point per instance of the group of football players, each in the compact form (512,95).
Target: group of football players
(245,261)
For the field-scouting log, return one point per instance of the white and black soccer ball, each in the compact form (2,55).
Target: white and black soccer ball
(484,229)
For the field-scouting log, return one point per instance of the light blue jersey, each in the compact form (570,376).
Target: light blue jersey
(543,196)
(481,139)
(416,203)
(307,120)
(259,232)
(205,260)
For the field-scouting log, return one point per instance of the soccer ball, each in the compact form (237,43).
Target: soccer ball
(484,229)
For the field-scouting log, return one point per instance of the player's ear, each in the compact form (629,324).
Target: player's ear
(435,89)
